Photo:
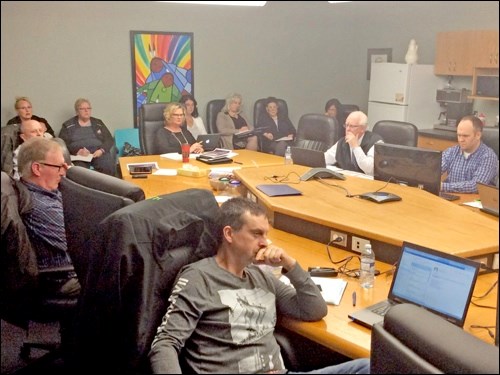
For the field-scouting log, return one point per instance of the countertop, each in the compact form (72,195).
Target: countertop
(443,134)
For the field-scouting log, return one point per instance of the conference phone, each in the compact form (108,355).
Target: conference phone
(321,173)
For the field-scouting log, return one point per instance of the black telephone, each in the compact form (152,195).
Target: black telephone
(321,173)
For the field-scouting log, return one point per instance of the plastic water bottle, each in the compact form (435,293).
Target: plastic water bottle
(288,156)
(367,269)
(234,188)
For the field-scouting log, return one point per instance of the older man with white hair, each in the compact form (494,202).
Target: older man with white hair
(355,151)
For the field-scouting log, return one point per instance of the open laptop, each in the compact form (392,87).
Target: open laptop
(488,195)
(209,141)
(309,158)
(439,282)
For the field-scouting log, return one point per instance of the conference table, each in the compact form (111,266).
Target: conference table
(154,185)
(328,206)
(336,331)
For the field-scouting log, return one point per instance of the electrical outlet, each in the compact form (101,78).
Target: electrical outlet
(334,235)
(495,262)
(358,243)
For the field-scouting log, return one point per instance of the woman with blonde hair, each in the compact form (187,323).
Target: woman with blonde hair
(174,134)
(230,121)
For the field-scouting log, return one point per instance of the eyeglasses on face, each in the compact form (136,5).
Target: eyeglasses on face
(177,114)
(352,126)
(85,109)
(25,108)
(64,165)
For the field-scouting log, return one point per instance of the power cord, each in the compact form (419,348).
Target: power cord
(278,179)
(324,182)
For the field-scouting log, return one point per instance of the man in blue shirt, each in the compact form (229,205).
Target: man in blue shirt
(41,166)
(469,162)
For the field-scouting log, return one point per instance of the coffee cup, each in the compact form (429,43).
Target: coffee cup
(185,152)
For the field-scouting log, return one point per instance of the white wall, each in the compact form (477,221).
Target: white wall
(304,52)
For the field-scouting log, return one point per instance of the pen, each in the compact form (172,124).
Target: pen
(237,162)
(354,298)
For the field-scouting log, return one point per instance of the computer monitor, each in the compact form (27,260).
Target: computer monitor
(406,165)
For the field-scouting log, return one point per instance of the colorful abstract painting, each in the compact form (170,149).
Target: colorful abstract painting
(162,67)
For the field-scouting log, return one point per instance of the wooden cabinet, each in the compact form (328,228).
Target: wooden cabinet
(438,144)
(459,52)
(486,48)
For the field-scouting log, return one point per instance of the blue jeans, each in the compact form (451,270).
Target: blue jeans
(356,366)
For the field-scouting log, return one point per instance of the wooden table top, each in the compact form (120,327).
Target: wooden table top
(155,185)
(420,217)
(336,331)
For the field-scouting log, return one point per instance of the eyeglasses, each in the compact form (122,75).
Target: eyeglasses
(177,114)
(65,166)
(25,108)
(352,126)
(85,109)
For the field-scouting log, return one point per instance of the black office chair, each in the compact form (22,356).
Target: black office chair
(317,132)
(88,198)
(260,107)
(22,301)
(397,132)
(348,108)
(414,340)
(490,138)
(213,108)
(150,120)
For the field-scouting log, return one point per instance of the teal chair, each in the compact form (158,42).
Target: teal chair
(130,135)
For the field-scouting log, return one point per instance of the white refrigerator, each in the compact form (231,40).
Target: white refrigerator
(404,92)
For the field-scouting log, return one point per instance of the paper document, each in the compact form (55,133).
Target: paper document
(165,172)
(476,204)
(87,158)
(176,156)
(287,138)
(332,289)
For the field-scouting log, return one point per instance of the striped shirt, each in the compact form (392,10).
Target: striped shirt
(45,225)
(464,173)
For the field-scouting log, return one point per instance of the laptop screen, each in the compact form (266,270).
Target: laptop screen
(308,157)
(440,282)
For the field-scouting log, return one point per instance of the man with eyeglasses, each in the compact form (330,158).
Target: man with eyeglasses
(41,166)
(355,151)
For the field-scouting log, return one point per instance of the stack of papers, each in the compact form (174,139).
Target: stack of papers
(87,158)
(332,289)
(218,153)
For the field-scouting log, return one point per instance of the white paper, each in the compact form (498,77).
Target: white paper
(287,138)
(222,198)
(476,204)
(332,289)
(176,156)
(166,172)
(87,158)
(350,173)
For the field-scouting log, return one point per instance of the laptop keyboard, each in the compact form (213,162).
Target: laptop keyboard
(449,197)
(382,310)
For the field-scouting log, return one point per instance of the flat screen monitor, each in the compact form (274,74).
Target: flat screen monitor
(406,165)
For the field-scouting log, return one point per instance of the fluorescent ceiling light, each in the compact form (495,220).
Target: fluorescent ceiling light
(242,3)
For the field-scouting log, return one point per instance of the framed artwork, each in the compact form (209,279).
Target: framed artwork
(162,67)
(377,55)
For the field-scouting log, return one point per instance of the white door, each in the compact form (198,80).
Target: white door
(389,83)
(382,111)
